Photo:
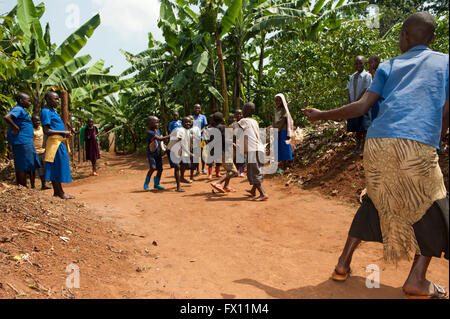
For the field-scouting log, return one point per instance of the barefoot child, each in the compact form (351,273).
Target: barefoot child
(254,149)
(194,134)
(154,152)
(38,140)
(57,165)
(178,150)
(228,166)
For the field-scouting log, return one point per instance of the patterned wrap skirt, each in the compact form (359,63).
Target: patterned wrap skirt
(403,181)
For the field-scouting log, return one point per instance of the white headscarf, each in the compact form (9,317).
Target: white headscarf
(290,121)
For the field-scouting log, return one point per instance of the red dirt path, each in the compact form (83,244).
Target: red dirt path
(215,246)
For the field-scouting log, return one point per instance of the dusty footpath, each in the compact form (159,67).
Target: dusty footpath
(204,245)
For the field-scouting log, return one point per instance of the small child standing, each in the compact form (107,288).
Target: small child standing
(178,151)
(38,140)
(154,153)
(254,150)
(229,167)
(214,123)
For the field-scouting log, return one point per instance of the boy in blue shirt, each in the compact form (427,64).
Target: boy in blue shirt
(176,123)
(407,204)
(201,122)
(20,137)
(154,153)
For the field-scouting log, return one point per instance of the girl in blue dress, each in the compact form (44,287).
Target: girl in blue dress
(57,166)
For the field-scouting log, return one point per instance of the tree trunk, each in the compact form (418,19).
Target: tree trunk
(238,68)
(164,117)
(65,108)
(215,105)
(225,109)
(260,77)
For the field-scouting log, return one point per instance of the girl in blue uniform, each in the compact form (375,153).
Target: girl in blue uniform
(57,165)
(20,137)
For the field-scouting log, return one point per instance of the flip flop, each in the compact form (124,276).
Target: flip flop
(217,188)
(341,277)
(181,190)
(439,293)
(229,190)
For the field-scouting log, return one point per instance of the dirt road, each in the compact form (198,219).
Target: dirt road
(203,245)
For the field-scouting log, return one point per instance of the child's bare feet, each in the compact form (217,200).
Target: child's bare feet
(251,192)
(217,187)
(184,180)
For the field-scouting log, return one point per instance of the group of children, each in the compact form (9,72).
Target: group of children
(188,146)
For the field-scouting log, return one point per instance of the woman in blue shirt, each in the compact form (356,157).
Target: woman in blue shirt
(20,136)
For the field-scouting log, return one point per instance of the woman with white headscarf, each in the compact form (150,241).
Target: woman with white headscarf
(285,124)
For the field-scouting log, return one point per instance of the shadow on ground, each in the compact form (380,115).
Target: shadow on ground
(353,288)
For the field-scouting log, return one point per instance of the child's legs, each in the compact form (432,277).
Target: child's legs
(159,173)
(94,166)
(42,181)
(21,178)
(150,172)
(32,178)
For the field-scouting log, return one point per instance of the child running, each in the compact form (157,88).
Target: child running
(254,150)
(229,167)
(154,153)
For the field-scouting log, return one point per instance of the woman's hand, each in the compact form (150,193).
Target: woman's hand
(15,130)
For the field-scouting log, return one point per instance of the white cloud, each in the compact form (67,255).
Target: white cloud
(132,18)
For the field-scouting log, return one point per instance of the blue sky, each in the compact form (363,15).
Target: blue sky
(125,25)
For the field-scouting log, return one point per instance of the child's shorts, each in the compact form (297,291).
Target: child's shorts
(230,168)
(255,168)
(155,161)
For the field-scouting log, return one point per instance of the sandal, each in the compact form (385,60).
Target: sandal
(341,277)
(229,190)
(439,293)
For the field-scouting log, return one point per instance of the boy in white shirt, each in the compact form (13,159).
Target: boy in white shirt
(255,151)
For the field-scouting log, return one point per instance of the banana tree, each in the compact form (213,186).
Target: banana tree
(209,22)
(46,66)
